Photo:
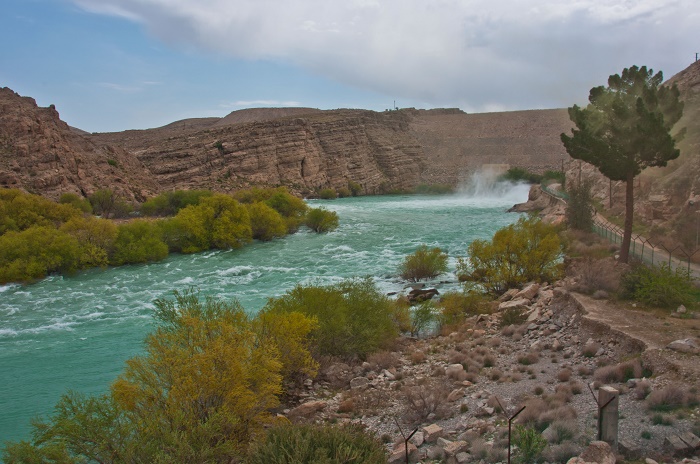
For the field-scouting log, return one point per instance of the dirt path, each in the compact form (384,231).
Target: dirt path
(654,331)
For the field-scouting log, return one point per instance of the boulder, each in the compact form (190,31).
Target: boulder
(518,303)
(307,409)
(598,452)
(359,383)
(454,370)
(418,295)
(528,292)
(432,432)
(399,453)
(685,345)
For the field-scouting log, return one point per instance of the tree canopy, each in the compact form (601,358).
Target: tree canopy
(626,128)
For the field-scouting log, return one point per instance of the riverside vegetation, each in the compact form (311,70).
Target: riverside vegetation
(213,379)
(39,237)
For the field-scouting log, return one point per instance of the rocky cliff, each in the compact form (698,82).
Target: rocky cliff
(40,153)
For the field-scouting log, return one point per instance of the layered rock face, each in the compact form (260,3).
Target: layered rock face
(40,154)
(318,150)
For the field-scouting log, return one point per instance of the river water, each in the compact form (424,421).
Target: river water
(74,333)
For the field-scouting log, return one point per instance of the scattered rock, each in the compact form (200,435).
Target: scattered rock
(598,452)
(359,383)
(685,345)
(432,432)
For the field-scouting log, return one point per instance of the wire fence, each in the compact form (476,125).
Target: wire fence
(648,252)
(641,247)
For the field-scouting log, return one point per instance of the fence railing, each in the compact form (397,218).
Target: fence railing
(645,250)
(641,247)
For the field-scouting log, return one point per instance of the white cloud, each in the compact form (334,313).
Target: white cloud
(468,53)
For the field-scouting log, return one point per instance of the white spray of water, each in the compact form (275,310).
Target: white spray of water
(485,185)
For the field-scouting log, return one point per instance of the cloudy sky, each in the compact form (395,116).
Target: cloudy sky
(112,65)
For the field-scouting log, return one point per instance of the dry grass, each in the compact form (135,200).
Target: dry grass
(619,372)
(564,375)
(669,398)
(527,359)
(595,275)
(417,357)
(427,398)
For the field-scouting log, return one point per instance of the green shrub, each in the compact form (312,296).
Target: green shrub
(529,250)
(96,238)
(20,211)
(423,317)
(169,203)
(102,202)
(659,286)
(513,316)
(517,174)
(138,242)
(354,317)
(529,445)
(265,222)
(327,194)
(355,188)
(433,189)
(554,176)
(218,221)
(317,444)
(292,208)
(76,201)
(424,263)
(344,192)
(112,163)
(455,307)
(321,220)
(35,252)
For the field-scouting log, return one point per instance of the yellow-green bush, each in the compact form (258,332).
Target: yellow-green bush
(265,222)
(20,211)
(321,220)
(138,242)
(354,317)
(529,250)
(286,444)
(424,263)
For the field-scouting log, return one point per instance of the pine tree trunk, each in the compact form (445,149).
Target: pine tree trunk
(629,219)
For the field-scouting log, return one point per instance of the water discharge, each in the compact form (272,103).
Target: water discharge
(76,332)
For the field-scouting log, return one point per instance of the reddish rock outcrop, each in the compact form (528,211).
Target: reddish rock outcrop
(40,153)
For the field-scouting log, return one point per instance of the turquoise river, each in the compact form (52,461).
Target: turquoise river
(74,333)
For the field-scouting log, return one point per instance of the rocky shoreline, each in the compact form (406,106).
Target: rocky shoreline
(450,388)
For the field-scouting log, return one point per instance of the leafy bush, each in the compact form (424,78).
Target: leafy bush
(554,176)
(526,251)
(76,201)
(424,263)
(202,391)
(354,317)
(169,203)
(265,222)
(423,317)
(317,444)
(529,445)
(20,211)
(96,238)
(355,188)
(217,221)
(455,307)
(344,192)
(433,189)
(327,194)
(138,242)
(35,252)
(321,220)
(517,174)
(659,286)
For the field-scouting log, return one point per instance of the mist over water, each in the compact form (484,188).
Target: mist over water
(76,332)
